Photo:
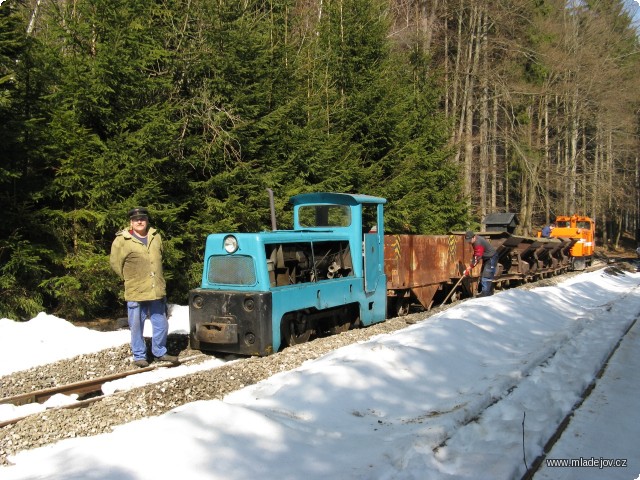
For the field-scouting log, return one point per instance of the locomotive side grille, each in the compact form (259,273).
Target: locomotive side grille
(231,270)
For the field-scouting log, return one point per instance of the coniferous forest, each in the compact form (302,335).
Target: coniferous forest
(450,109)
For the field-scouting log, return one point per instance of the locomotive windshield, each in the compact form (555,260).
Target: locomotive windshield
(324,216)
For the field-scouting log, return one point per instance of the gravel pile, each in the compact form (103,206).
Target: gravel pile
(123,407)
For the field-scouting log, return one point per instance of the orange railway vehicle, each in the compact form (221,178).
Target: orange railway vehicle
(583,230)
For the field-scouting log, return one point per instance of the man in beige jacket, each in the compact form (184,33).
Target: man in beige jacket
(136,256)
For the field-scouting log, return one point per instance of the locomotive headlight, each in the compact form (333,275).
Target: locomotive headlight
(230,244)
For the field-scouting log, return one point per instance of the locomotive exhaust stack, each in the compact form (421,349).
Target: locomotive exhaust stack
(272,209)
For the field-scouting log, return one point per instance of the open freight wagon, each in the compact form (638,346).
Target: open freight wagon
(423,269)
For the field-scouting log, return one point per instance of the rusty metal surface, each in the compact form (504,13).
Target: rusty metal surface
(217,332)
(419,260)
(529,256)
(424,264)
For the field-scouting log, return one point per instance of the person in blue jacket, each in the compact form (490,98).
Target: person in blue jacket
(546,231)
(483,250)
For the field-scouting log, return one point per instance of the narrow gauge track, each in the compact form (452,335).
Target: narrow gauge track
(564,424)
(155,399)
(88,391)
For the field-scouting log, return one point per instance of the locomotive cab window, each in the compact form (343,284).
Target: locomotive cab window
(324,216)
(305,262)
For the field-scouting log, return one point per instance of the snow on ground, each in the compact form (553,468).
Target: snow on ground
(598,431)
(47,338)
(51,338)
(473,392)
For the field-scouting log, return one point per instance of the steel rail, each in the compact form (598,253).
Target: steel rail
(83,389)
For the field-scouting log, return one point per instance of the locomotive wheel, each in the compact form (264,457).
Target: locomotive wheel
(294,329)
(341,328)
(347,318)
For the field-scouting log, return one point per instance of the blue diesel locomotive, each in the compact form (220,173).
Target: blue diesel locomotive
(263,291)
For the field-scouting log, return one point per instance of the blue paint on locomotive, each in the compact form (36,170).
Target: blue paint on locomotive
(327,261)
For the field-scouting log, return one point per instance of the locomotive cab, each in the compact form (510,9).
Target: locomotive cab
(582,230)
(263,291)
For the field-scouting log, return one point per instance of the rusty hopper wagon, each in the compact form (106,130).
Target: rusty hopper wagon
(422,269)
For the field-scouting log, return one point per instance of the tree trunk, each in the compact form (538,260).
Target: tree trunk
(493,170)
(474,60)
(484,115)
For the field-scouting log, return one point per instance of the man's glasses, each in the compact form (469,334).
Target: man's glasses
(139,219)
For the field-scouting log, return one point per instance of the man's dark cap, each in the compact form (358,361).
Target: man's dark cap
(138,212)
(469,235)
